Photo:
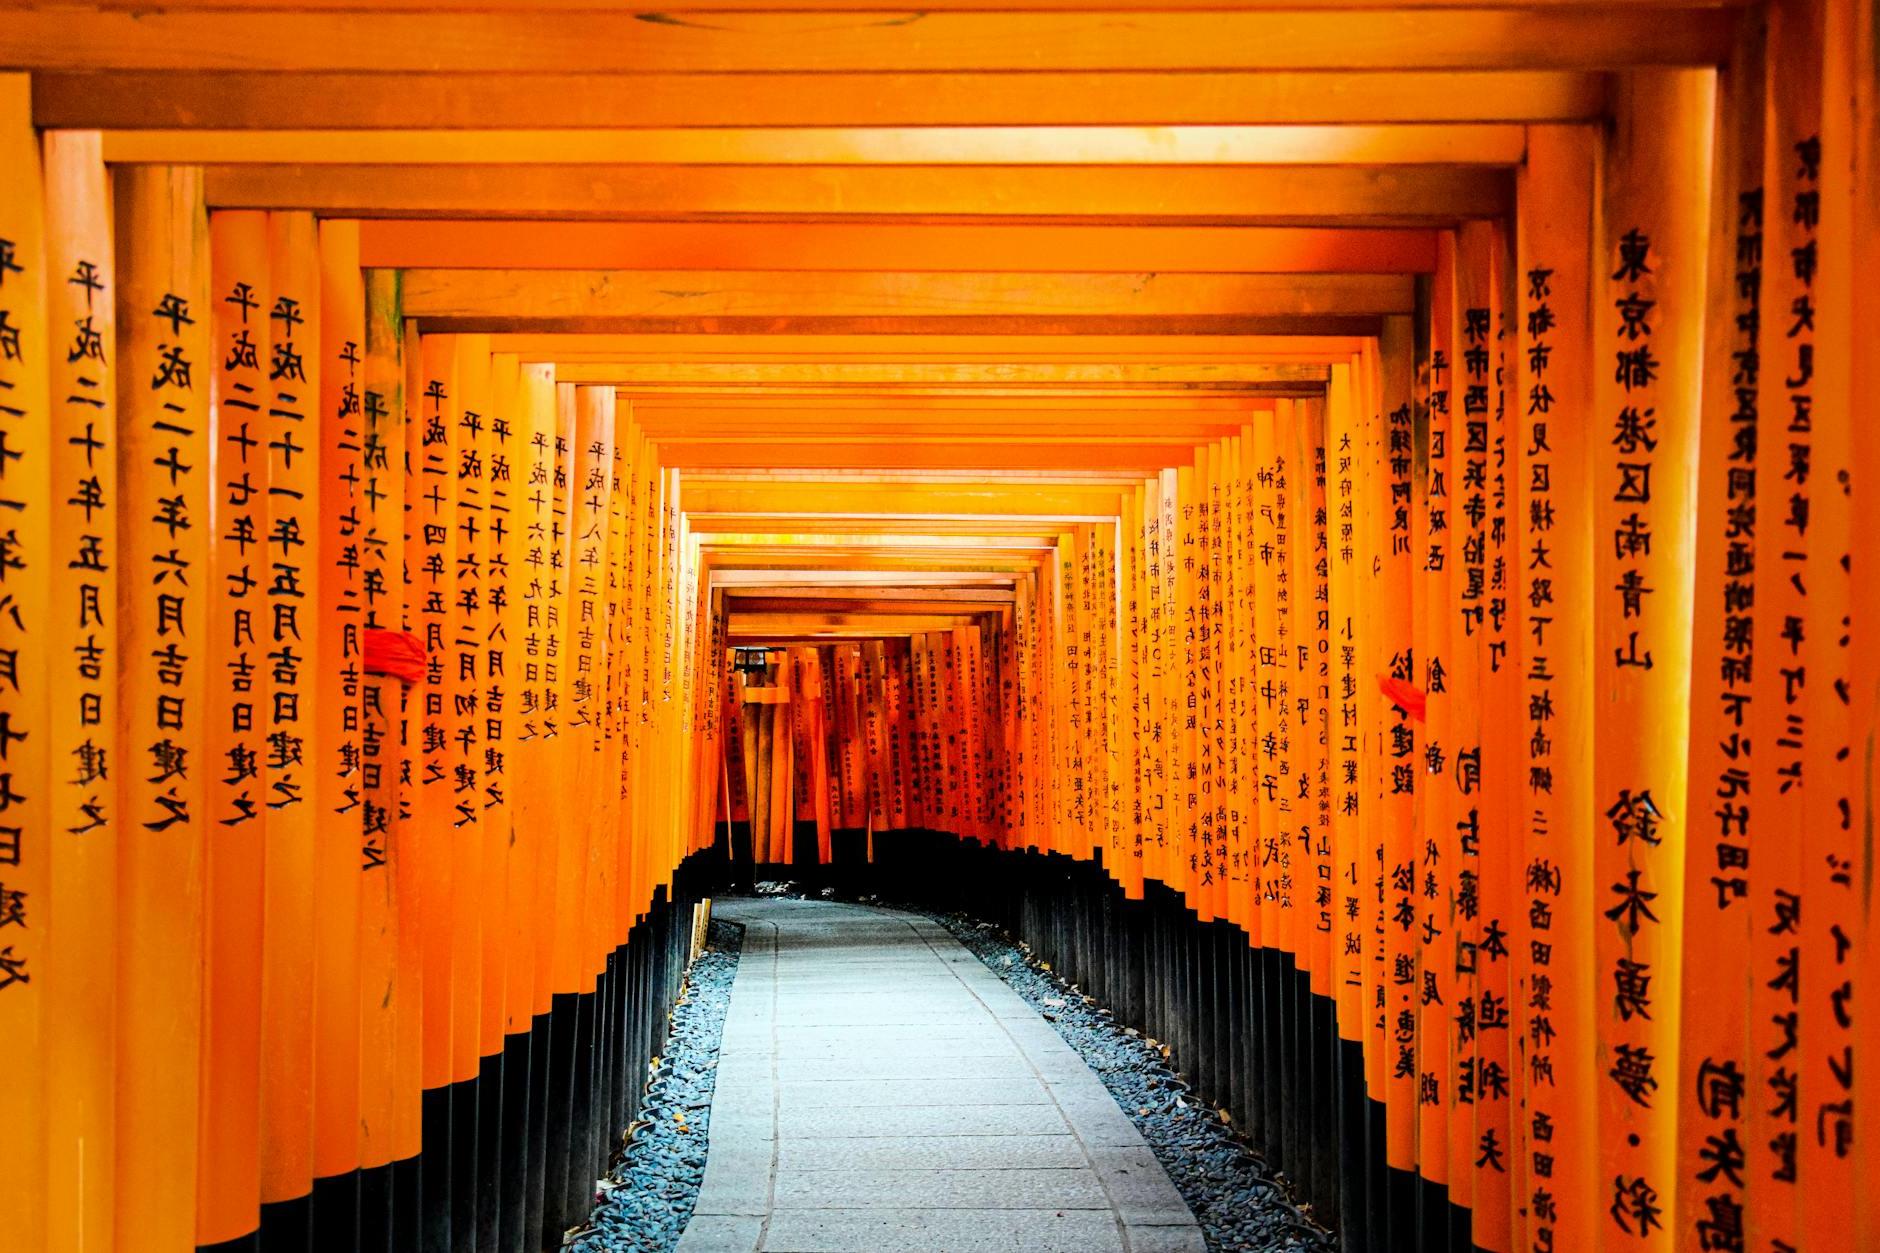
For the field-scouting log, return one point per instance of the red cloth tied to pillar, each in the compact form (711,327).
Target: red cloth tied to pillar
(1411,700)
(397,653)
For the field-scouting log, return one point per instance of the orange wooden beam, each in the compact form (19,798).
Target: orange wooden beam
(995,427)
(1048,455)
(420,100)
(1109,349)
(598,299)
(890,376)
(746,624)
(575,245)
(728,577)
(1463,38)
(1395,143)
(862,406)
(1312,196)
(759,491)
(583,6)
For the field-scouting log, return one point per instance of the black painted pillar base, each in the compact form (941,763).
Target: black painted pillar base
(287,1226)
(336,1212)
(541,1044)
(513,1166)
(375,1209)
(559,1144)
(489,1140)
(407,1204)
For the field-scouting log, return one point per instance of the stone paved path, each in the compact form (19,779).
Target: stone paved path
(880,1090)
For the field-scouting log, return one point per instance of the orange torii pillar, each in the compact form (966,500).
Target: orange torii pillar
(344,860)
(26,803)
(163,324)
(391,985)
(223,1038)
(85,730)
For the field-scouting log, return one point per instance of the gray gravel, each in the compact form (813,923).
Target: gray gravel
(647,1198)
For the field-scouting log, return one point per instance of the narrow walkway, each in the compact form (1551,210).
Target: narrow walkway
(879,1089)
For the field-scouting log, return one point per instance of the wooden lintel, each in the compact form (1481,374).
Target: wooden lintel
(696,427)
(861,449)
(888,438)
(1313,196)
(1595,37)
(594,300)
(730,577)
(802,558)
(784,513)
(1396,143)
(799,539)
(232,99)
(965,405)
(894,495)
(1257,395)
(746,625)
(920,328)
(896,375)
(714,525)
(1112,349)
(1058,454)
(786,598)
(565,245)
(853,633)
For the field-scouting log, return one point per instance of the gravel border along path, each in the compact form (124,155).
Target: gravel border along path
(1239,1200)
(647,1198)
